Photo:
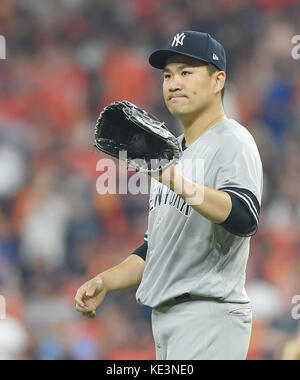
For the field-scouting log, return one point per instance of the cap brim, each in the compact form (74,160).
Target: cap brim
(159,58)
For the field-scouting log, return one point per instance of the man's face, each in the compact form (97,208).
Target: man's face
(188,88)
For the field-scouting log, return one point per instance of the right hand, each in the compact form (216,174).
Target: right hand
(90,296)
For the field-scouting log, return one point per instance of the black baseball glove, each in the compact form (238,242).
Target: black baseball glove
(127,132)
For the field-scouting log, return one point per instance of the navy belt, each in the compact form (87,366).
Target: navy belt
(186,297)
(183,298)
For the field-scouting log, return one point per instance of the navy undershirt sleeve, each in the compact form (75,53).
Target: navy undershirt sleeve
(142,250)
(242,220)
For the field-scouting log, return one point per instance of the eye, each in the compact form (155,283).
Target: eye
(166,76)
(185,73)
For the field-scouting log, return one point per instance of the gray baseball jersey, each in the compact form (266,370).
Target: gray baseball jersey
(188,253)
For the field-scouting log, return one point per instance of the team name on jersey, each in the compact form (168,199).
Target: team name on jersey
(164,196)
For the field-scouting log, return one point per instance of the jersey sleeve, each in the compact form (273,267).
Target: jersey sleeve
(240,174)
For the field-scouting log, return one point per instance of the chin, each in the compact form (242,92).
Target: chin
(179,112)
(179,115)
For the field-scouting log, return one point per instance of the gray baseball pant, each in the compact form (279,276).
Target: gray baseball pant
(202,330)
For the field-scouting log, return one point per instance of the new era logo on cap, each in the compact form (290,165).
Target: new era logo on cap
(215,57)
(178,39)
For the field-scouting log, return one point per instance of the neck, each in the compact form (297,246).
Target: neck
(196,127)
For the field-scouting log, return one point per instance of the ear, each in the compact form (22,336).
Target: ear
(220,80)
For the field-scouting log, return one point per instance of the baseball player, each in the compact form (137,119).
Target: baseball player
(191,267)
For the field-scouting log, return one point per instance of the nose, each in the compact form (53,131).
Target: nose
(174,84)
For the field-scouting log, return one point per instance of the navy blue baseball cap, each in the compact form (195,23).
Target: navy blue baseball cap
(192,44)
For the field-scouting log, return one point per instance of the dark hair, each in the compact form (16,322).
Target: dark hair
(211,70)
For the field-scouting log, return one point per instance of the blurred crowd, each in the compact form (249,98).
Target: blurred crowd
(66,60)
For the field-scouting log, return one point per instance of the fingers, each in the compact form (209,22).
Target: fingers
(91,290)
(94,288)
(82,309)
(86,293)
(79,298)
(86,312)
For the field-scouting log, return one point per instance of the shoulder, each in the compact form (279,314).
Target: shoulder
(234,137)
(231,129)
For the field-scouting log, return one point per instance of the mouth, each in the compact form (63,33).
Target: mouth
(177,97)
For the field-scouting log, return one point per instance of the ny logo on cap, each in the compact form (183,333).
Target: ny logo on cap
(178,39)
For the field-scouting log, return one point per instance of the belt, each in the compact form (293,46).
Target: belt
(186,297)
